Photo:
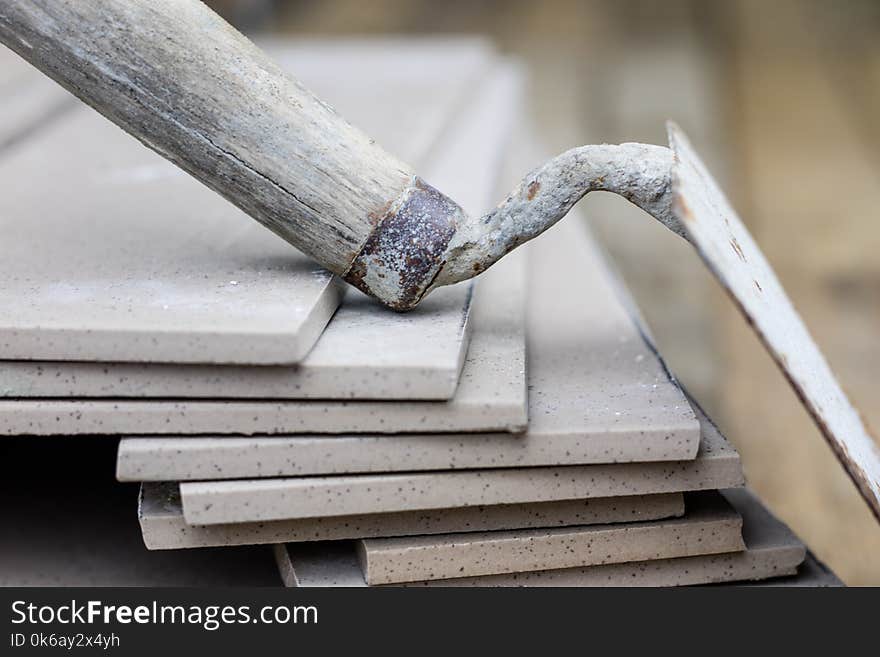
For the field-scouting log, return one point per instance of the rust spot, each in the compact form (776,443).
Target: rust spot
(477,267)
(738,249)
(534,188)
(758,285)
(682,209)
(409,243)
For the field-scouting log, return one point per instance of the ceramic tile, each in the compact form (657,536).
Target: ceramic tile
(116,263)
(491,397)
(771,551)
(163,525)
(717,465)
(812,573)
(709,526)
(366,352)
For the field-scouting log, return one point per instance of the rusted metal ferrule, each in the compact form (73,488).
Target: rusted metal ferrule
(405,251)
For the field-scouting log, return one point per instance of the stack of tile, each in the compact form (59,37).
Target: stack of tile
(520,430)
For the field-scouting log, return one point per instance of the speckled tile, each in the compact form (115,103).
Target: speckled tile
(812,573)
(771,551)
(353,359)
(30,99)
(710,526)
(491,397)
(636,414)
(163,525)
(717,465)
(135,274)
(115,264)
(367,352)
(618,394)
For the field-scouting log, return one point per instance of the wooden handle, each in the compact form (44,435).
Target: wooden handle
(186,84)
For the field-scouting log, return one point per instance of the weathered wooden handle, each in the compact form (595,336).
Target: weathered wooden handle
(176,76)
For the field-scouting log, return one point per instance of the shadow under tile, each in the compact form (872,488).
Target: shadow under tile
(68,522)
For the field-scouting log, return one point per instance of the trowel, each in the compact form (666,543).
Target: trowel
(186,84)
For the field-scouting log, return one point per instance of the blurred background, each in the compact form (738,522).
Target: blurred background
(782,100)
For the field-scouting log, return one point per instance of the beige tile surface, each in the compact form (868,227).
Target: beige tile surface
(812,573)
(598,394)
(491,397)
(710,526)
(251,500)
(128,258)
(164,527)
(365,352)
(771,551)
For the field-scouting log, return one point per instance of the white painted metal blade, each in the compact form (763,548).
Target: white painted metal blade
(735,259)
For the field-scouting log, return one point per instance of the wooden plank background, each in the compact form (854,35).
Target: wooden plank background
(781,98)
